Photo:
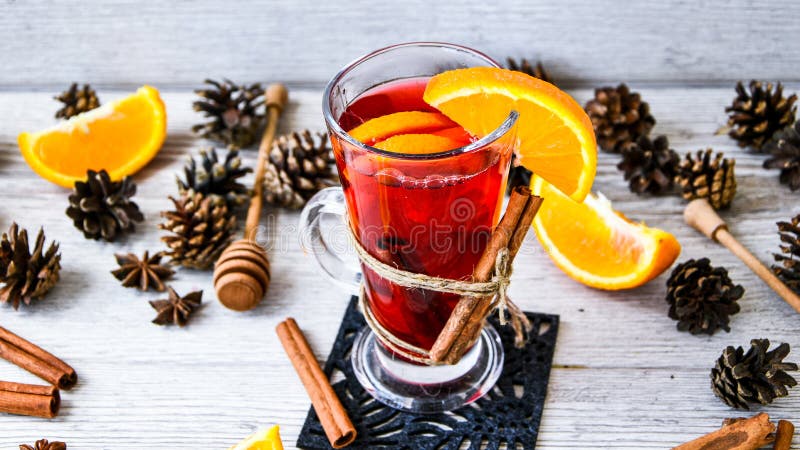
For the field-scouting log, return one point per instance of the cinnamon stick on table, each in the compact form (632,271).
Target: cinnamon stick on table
(331,413)
(36,360)
(784,435)
(29,399)
(466,320)
(747,434)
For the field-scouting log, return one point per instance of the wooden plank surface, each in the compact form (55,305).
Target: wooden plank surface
(304,41)
(624,377)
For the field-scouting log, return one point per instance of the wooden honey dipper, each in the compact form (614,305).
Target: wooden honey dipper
(242,276)
(701,216)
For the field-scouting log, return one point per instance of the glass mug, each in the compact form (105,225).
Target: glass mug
(427,213)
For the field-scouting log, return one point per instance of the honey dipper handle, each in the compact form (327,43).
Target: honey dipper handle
(725,238)
(275,99)
(701,216)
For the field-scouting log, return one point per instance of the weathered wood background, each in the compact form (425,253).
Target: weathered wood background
(624,377)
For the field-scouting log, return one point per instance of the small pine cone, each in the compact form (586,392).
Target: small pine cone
(789,258)
(202,227)
(526,67)
(649,166)
(236,112)
(213,177)
(703,177)
(701,297)
(77,100)
(758,376)
(785,149)
(298,166)
(619,117)
(755,116)
(102,208)
(26,275)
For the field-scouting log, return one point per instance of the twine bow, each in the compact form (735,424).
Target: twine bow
(496,287)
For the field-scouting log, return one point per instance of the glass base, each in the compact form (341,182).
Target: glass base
(427,389)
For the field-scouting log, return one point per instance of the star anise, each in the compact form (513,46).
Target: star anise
(44,444)
(142,273)
(176,309)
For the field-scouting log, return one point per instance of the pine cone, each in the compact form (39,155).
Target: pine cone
(701,297)
(215,178)
(619,117)
(236,112)
(26,275)
(525,67)
(789,258)
(298,166)
(785,149)
(76,101)
(102,208)
(202,228)
(758,376)
(649,166)
(702,177)
(754,117)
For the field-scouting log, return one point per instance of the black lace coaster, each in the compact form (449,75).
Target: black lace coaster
(509,414)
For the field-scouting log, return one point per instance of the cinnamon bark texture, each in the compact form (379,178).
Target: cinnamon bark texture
(36,360)
(331,413)
(466,321)
(29,399)
(784,435)
(747,434)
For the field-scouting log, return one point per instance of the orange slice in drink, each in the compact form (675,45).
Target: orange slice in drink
(556,140)
(406,122)
(120,137)
(597,245)
(418,143)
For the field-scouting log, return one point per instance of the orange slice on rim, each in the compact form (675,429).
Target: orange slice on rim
(406,122)
(120,137)
(556,140)
(598,246)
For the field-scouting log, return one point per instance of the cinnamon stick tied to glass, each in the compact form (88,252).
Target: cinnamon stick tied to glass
(466,321)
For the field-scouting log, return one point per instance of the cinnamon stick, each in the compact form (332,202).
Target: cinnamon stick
(35,360)
(466,320)
(29,399)
(748,434)
(331,413)
(784,435)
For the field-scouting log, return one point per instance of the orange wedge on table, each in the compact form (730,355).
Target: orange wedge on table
(556,140)
(120,137)
(269,439)
(597,245)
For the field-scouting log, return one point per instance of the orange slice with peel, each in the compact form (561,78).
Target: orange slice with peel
(269,439)
(556,139)
(598,246)
(418,143)
(121,137)
(406,122)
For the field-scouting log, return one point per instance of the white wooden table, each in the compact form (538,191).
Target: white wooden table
(624,377)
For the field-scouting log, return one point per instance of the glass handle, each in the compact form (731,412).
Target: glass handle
(323,233)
